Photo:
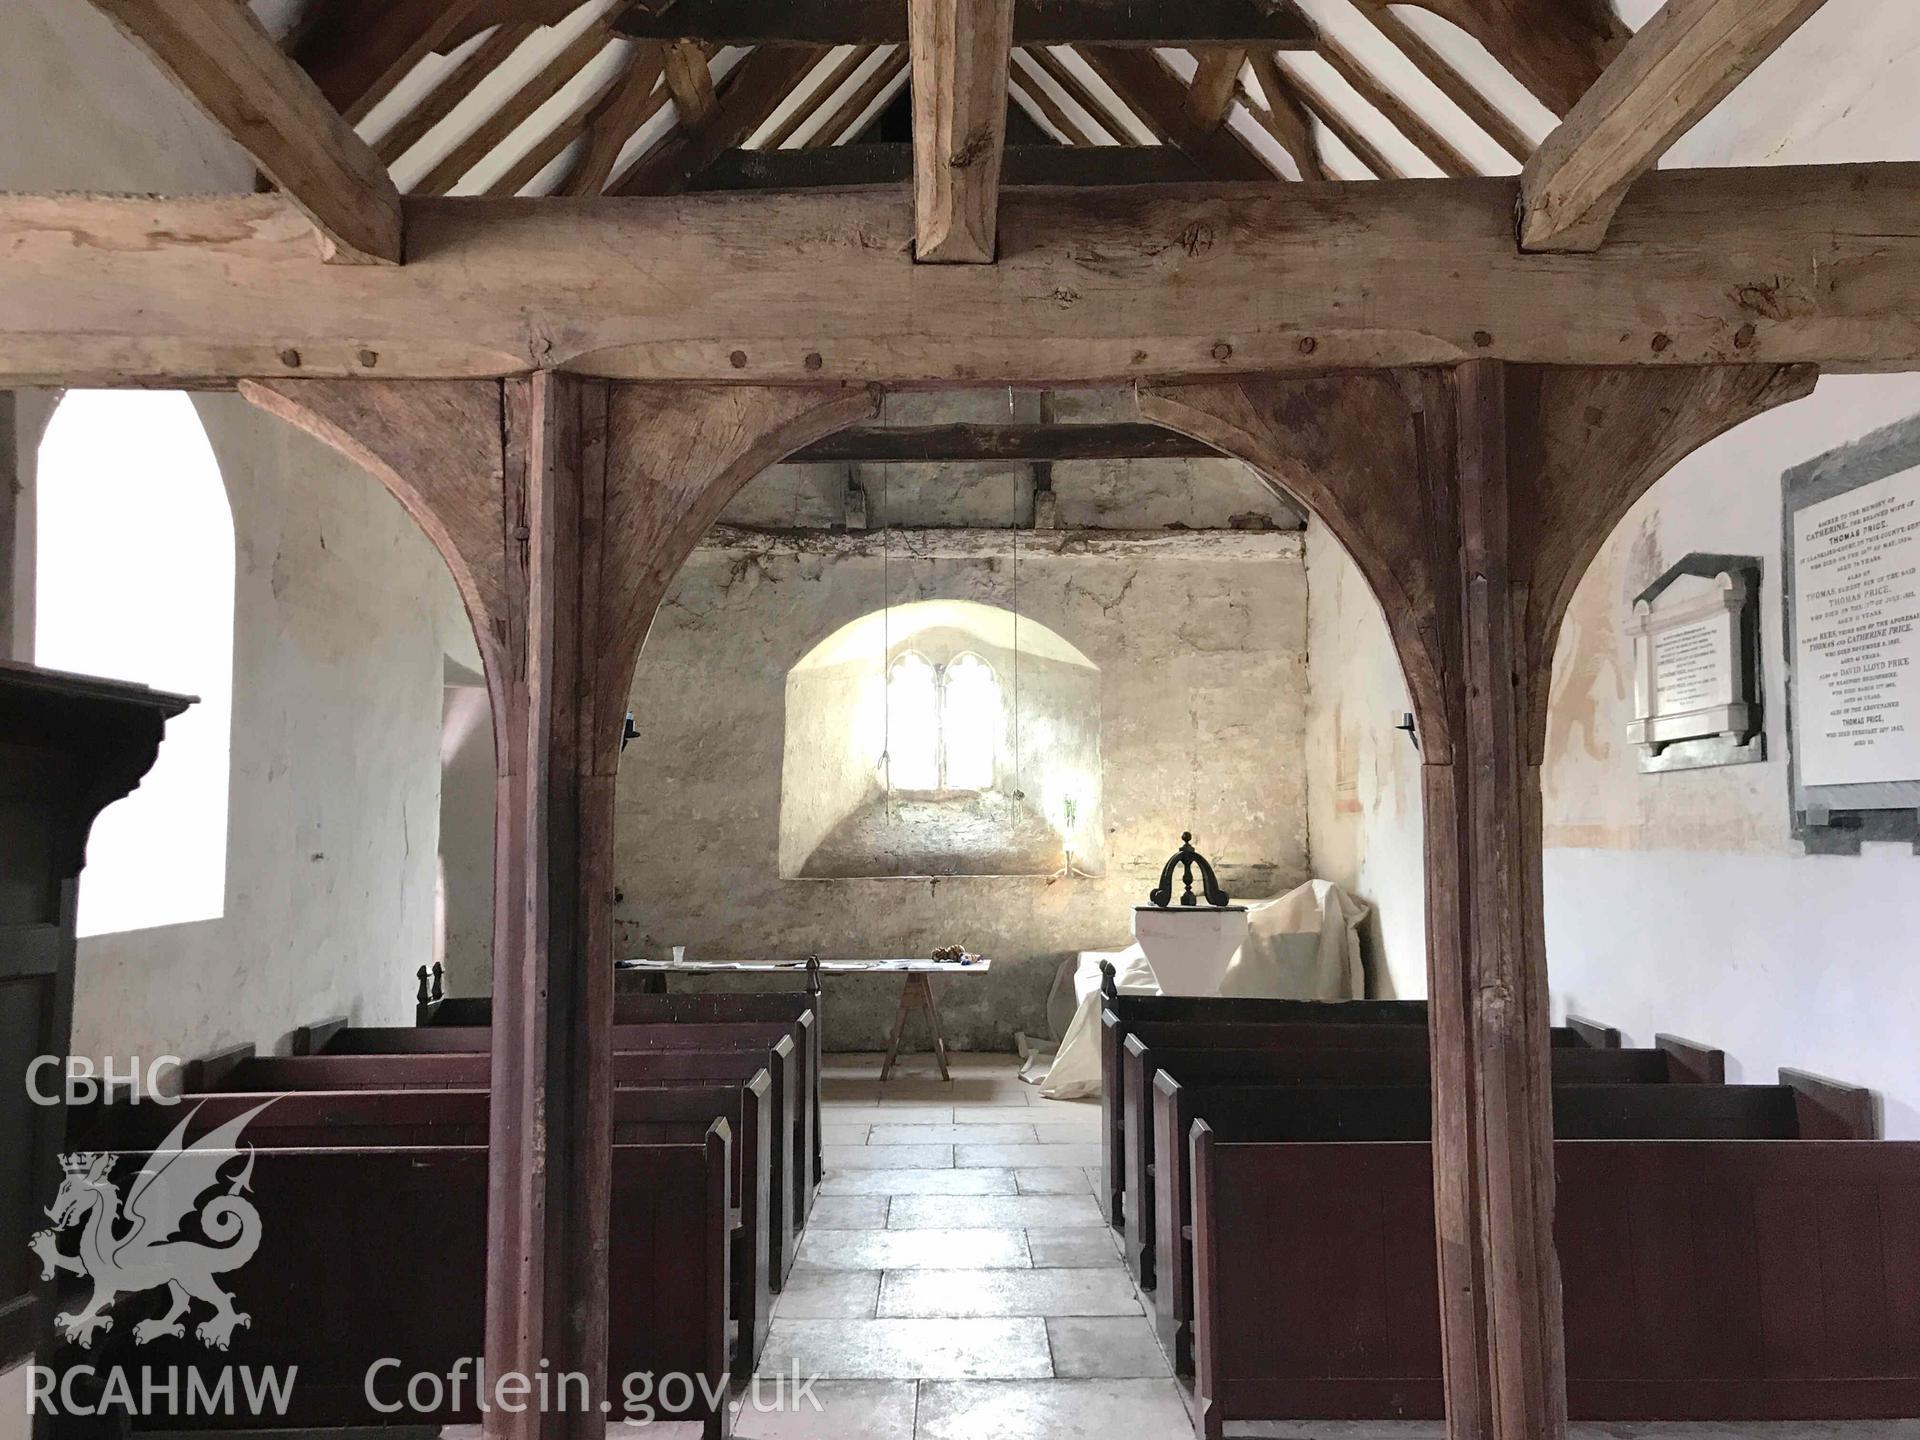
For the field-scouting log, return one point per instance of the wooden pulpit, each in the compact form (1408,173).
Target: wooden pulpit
(70,745)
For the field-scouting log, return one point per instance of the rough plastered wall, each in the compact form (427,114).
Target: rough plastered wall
(1201,645)
(1363,785)
(343,617)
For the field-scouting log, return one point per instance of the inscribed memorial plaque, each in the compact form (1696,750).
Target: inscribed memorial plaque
(1694,657)
(1857,634)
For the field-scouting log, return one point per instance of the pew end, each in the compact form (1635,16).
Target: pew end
(210,1072)
(313,1039)
(1593,1034)
(1832,1109)
(1691,1063)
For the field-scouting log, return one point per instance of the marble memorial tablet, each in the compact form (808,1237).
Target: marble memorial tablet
(1856,563)
(1692,676)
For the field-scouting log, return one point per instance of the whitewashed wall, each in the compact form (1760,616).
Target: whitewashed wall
(343,616)
(1678,902)
(1363,781)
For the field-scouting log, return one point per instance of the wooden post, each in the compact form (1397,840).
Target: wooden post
(1473,500)
(564,507)
(549,1176)
(1486,961)
(960,53)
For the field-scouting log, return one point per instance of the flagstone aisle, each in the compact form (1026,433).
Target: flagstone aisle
(957,1279)
(957,1282)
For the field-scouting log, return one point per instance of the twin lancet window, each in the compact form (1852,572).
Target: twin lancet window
(943,724)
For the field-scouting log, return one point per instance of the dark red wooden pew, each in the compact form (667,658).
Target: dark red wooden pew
(637,1037)
(1120,1013)
(367,1255)
(240,1070)
(1281,1060)
(1733,1280)
(1350,1337)
(359,1119)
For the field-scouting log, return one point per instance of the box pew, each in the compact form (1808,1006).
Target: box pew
(800,1007)
(1223,1022)
(411,1285)
(1120,1013)
(1300,1117)
(1143,1055)
(1733,1280)
(240,1070)
(665,1035)
(358,1119)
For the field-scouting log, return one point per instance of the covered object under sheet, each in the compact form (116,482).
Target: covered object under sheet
(1304,945)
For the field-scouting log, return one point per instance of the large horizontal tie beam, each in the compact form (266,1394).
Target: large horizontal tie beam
(891,163)
(1011,444)
(1768,266)
(1276,24)
(1686,60)
(227,64)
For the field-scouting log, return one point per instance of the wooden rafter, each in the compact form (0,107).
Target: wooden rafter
(751,93)
(226,63)
(533,161)
(1320,106)
(488,13)
(1039,102)
(358,50)
(1285,118)
(452,91)
(1491,119)
(1686,60)
(1402,116)
(823,91)
(1215,77)
(492,132)
(960,52)
(1070,85)
(1776,265)
(633,99)
(1151,91)
(1276,24)
(860,100)
(1556,48)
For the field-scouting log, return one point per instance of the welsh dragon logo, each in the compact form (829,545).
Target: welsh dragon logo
(137,1246)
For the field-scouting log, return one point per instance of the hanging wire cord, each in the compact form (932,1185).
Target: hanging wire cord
(886,640)
(1019,788)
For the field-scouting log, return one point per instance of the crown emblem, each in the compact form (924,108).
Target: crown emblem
(77,1163)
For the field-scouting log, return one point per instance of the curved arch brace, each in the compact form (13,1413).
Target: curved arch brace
(436,446)
(1358,450)
(675,456)
(1597,442)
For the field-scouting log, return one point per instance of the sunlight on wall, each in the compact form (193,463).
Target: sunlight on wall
(134,575)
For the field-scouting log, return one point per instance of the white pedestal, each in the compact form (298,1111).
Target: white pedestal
(1189,946)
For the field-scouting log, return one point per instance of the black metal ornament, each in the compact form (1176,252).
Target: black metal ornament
(1187,858)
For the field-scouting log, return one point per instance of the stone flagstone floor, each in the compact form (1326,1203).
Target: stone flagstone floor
(957,1282)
